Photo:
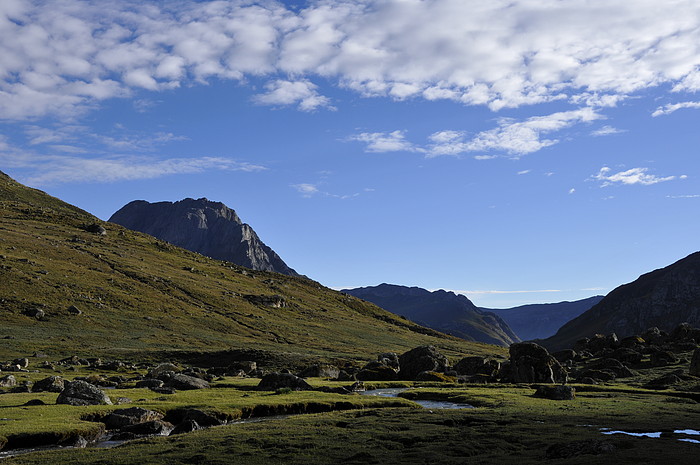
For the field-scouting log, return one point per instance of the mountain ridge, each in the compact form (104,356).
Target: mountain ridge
(663,298)
(441,310)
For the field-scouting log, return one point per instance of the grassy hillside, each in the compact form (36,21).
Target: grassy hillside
(140,297)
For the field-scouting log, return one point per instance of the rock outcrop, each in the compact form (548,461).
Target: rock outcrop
(82,393)
(203,226)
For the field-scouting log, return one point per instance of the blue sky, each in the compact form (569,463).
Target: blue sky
(516,151)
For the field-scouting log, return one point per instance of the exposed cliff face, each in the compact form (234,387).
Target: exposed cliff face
(537,321)
(203,226)
(663,298)
(441,310)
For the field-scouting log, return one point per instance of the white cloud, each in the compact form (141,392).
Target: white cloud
(64,59)
(572,190)
(520,173)
(301,93)
(671,107)
(515,138)
(385,142)
(606,131)
(629,177)
(484,157)
(306,189)
(688,196)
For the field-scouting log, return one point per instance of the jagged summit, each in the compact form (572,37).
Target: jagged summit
(204,226)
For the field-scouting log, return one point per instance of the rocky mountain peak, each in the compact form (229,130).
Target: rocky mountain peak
(204,226)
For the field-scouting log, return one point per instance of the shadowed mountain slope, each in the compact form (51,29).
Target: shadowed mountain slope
(537,321)
(203,226)
(441,310)
(65,290)
(663,298)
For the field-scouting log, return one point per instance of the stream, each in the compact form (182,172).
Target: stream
(429,404)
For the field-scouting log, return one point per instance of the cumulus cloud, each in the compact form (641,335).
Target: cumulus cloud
(300,93)
(63,60)
(671,107)
(629,177)
(606,131)
(386,142)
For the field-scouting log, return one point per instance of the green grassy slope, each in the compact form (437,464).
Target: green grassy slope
(140,297)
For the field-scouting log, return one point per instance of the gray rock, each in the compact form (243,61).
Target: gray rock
(320,371)
(695,363)
(556,392)
(82,393)
(130,416)
(50,384)
(420,359)
(274,381)
(377,371)
(186,426)
(96,229)
(8,381)
(531,363)
(35,313)
(149,428)
(663,358)
(22,362)
(149,383)
(184,382)
(74,310)
(160,370)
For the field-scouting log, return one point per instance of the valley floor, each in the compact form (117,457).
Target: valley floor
(507,426)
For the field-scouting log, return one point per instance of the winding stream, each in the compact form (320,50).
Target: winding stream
(429,404)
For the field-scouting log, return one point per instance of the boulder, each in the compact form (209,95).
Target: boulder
(556,392)
(186,426)
(565,355)
(274,381)
(436,377)
(185,382)
(50,384)
(247,366)
(531,363)
(273,301)
(149,428)
(695,363)
(73,310)
(130,416)
(655,336)
(203,419)
(149,383)
(82,393)
(663,358)
(663,382)
(420,359)
(96,229)
(377,371)
(320,371)
(35,313)
(8,381)
(390,359)
(619,369)
(22,362)
(160,370)
(626,356)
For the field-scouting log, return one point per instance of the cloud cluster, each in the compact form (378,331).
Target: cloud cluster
(515,138)
(502,53)
(630,177)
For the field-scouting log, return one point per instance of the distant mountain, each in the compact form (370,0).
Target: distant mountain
(441,310)
(663,298)
(537,321)
(209,228)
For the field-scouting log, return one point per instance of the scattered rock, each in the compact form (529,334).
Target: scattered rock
(149,428)
(201,418)
(77,442)
(435,376)
(82,393)
(50,384)
(34,402)
(377,371)
(274,381)
(663,382)
(663,358)
(627,356)
(390,359)
(22,362)
(160,370)
(556,392)
(247,366)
